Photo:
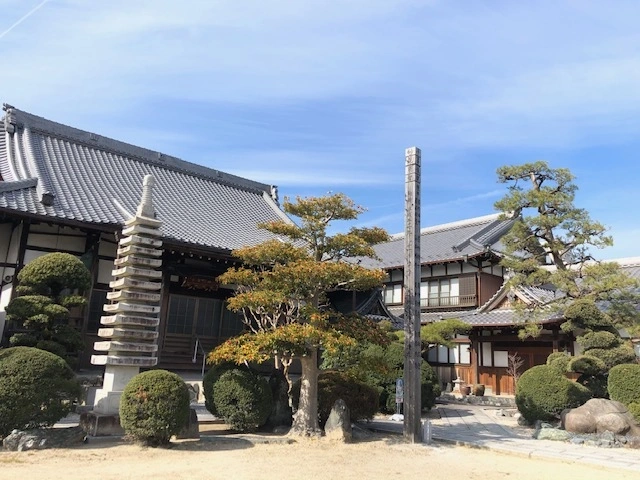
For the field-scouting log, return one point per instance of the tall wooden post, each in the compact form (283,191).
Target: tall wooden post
(412,353)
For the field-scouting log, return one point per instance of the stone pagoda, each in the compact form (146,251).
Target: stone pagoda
(133,312)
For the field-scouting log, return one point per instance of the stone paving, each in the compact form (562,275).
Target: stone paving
(480,427)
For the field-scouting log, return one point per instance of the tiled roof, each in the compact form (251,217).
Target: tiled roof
(493,318)
(447,242)
(630,266)
(55,171)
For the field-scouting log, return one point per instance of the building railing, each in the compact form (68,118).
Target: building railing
(446,302)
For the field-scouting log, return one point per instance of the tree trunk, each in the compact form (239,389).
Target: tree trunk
(305,420)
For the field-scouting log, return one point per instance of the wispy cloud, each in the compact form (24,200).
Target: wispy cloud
(23,18)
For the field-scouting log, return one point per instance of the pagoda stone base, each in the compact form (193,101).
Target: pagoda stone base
(100,425)
(107,400)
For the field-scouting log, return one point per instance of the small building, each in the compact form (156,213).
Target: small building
(64,189)
(461,277)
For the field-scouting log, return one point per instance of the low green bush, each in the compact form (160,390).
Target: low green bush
(243,399)
(634,409)
(53,347)
(429,386)
(362,399)
(601,339)
(154,406)
(542,393)
(587,364)
(208,381)
(37,388)
(624,383)
(559,361)
(23,340)
(611,357)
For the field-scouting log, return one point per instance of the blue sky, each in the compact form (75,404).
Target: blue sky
(319,96)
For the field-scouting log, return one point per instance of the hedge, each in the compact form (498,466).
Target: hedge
(154,406)
(37,388)
(542,393)
(624,383)
(243,399)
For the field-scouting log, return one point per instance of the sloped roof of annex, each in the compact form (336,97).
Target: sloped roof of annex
(455,241)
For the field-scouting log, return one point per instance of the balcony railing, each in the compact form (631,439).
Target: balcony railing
(446,302)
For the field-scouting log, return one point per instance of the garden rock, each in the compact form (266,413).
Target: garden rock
(600,415)
(338,426)
(39,439)
(552,434)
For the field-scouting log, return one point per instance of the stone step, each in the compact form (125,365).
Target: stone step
(136,260)
(120,346)
(136,250)
(141,241)
(138,229)
(123,307)
(124,361)
(134,283)
(130,271)
(129,320)
(136,296)
(146,221)
(120,333)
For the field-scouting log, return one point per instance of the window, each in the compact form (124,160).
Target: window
(458,354)
(393,293)
(181,312)
(204,317)
(440,293)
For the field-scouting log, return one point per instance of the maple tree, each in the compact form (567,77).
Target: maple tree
(281,292)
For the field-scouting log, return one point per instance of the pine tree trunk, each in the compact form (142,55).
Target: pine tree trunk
(305,421)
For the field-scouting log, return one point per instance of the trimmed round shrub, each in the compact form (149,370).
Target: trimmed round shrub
(624,383)
(542,394)
(361,398)
(587,364)
(559,361)
(37,388)
(154,406)
(53,347)
(614,356)
(23,340)
(242,399)
(429,386)
(209,380)
(634,409)
(600,339)
(429,390)
(54,272)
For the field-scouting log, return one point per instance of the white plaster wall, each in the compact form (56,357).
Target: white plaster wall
(500,358)
(104,271)
(465,354)
(486,354)
(466,268)
(32,255)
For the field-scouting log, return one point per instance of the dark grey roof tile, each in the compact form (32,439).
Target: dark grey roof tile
(90,175)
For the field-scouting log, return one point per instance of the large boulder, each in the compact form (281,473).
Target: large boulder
(599,415)
(41,438)
(338,426)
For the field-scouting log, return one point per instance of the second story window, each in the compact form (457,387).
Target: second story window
(443,292)
(393,293)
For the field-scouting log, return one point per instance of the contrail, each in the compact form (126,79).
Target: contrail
(31,12)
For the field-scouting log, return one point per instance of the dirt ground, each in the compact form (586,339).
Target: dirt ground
(377,457)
